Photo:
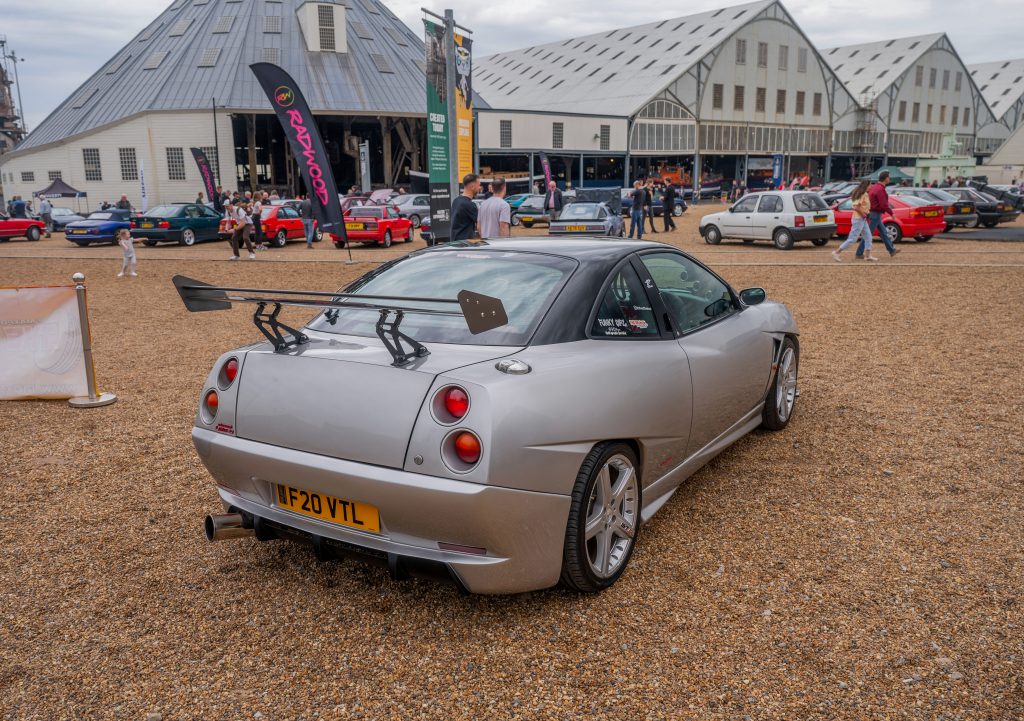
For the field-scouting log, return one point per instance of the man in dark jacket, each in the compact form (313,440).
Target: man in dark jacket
(553,201)
(668,201)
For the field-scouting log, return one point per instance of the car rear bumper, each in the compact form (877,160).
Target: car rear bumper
(89,237)
(961,219)
(157,234)
(523,532)
(813,232)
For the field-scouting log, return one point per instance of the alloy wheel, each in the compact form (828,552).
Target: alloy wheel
(785,391)
(612,516)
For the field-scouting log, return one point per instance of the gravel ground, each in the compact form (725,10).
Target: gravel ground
(865,563)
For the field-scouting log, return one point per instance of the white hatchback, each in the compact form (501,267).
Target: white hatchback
(781,216)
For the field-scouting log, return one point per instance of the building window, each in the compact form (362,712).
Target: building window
(903,111)
(211,156)
(606,137)
(783,57)
(945,80)
(762,55)
(175,164)
(967,117)
(557,135)
(801,60)
(759,99)
(129,165)
(915,113)
(741,51)
(956,115)
(717,91)
(928,114)
(780,101)
(959,82)
(737,97)
(942,115)
(800,98)
(919,76)
(816,108)
(505,133)
(325,14)
(91,160)
(53,175)
(932,74)
(28,176)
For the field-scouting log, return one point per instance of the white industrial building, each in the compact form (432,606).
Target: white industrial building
(1002,84)
(184,81)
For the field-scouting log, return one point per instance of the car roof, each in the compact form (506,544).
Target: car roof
(596,248)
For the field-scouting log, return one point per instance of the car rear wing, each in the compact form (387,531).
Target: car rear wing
(481,312)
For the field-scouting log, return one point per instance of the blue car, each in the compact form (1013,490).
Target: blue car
(100,227)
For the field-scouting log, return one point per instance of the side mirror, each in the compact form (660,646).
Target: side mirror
(752,296)
(732,208)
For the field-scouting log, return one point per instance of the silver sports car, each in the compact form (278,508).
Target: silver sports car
(502,414)
(588,219)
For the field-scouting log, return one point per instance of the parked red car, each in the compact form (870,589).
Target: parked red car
(21,228)
(281,223)
(379,224)
(913,218)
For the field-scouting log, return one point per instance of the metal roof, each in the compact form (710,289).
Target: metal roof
(1001,83)
(868,69)
(190,31)
(611,73)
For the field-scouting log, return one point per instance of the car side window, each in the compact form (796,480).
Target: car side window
(421,200)
(692,294)
(192,211)
(846,205)
(209,212)
(745,205)
(392,213)
(287,213)
(625,310)
(770,204)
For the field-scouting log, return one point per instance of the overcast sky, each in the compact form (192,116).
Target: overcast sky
(63,42)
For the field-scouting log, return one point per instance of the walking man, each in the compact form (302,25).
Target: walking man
(636,211)
(495,213)
(553,201)
(464,210)
(257,213)
(46,213)
(649,204)
(306,213)
(669,202)
(879,205)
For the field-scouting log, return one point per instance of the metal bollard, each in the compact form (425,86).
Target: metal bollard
(95,399)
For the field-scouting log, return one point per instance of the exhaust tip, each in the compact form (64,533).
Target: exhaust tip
(221,527)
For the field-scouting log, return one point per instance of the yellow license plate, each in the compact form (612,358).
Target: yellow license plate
(79,232)
(575,227)
(353,226)
(821,219)
(351,514)
(147,225)
(527,218)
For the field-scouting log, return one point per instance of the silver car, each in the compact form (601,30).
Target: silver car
(502,414)
(414,206)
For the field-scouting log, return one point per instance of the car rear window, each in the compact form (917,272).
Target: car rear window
(364,212)
(914,200)
(526,284)
(103,216)
(580,211)
(808,202)
(164,211)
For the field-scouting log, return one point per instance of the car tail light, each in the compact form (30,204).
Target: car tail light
(210,403)
(467,447)
(456,401)
(799,221)
(228,373)
(131,224)
(163,224)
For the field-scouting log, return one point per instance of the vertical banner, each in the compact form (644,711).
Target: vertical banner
(364,166)
(438,161)
(306,143)
(203,163)
(41,344)
(143,191)
(777,170)
(464,103)
(546,165)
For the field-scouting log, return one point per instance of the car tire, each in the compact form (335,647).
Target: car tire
(976,223)
(387,238)
(593,564)
(783,239)
(188,237)
(149,243)
(819,242)
(527,225)
(280,238)
(712,235)
(949,227)
(318,235)
(514,220)
(895,234)
(415,220)
(33,233)
(923,238)
(676,211)
(782,393)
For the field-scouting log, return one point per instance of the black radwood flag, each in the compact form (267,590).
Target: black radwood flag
(307,145)
(204,170)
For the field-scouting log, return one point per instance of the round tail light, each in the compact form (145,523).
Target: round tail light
(456,402)
(231,370)
(210,403)
(467,447)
